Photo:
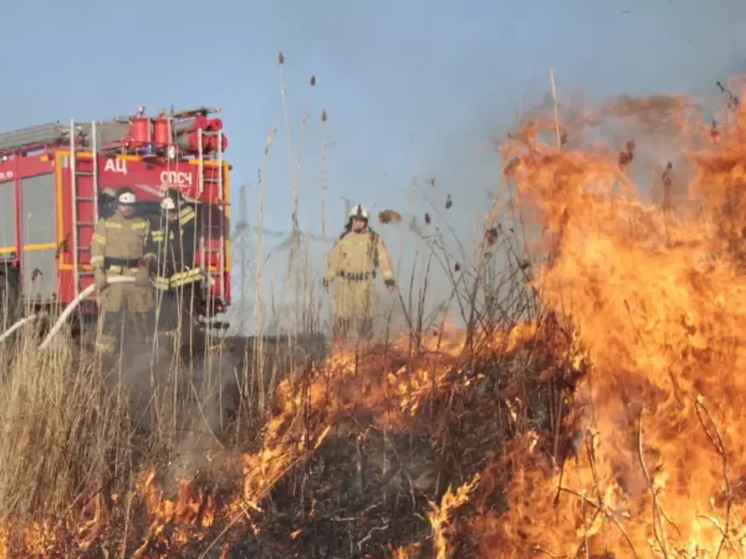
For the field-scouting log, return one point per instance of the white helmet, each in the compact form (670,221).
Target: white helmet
(358,211)
(168,204)
(126,196)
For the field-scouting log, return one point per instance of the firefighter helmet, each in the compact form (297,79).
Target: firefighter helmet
(359,212)
(168,204)
(171,200)
(126,196)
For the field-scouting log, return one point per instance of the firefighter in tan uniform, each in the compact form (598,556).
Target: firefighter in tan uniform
(357,255)
(118,248)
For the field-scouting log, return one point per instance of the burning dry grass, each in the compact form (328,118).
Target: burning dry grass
(355,454)
(606,425)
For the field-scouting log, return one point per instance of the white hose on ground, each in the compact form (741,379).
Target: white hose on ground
(16,326)
(75,302)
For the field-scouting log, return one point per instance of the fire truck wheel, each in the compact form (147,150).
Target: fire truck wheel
(10,293)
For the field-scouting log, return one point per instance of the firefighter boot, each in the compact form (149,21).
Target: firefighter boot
(104,344)
(141,326)
(166,325)
(187,309)
(168,317)
(105,336)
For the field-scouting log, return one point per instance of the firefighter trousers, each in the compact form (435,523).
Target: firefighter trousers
(176,307)
(344,326)
(355,305)
(176,316)
(124,310)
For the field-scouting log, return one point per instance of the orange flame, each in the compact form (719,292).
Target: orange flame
(657,303)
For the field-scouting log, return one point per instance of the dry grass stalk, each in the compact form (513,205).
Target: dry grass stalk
(258,353)
(556,109)
(322,173)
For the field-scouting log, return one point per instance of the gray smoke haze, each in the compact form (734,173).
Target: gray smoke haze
(191,402)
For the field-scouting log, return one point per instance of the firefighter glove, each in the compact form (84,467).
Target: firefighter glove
(142,278)
(99,278)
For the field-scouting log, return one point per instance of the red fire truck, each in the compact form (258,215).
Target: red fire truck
(56,180)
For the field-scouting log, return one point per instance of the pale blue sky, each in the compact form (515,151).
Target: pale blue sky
(410,88)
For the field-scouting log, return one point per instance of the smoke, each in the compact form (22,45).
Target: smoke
(189,402)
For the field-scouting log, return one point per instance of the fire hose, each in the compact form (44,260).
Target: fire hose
(16,326)
(75,302)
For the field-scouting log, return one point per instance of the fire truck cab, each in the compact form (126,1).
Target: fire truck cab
(54,181)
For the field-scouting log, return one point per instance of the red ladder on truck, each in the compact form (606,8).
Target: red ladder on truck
(84,203)
(213,258)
